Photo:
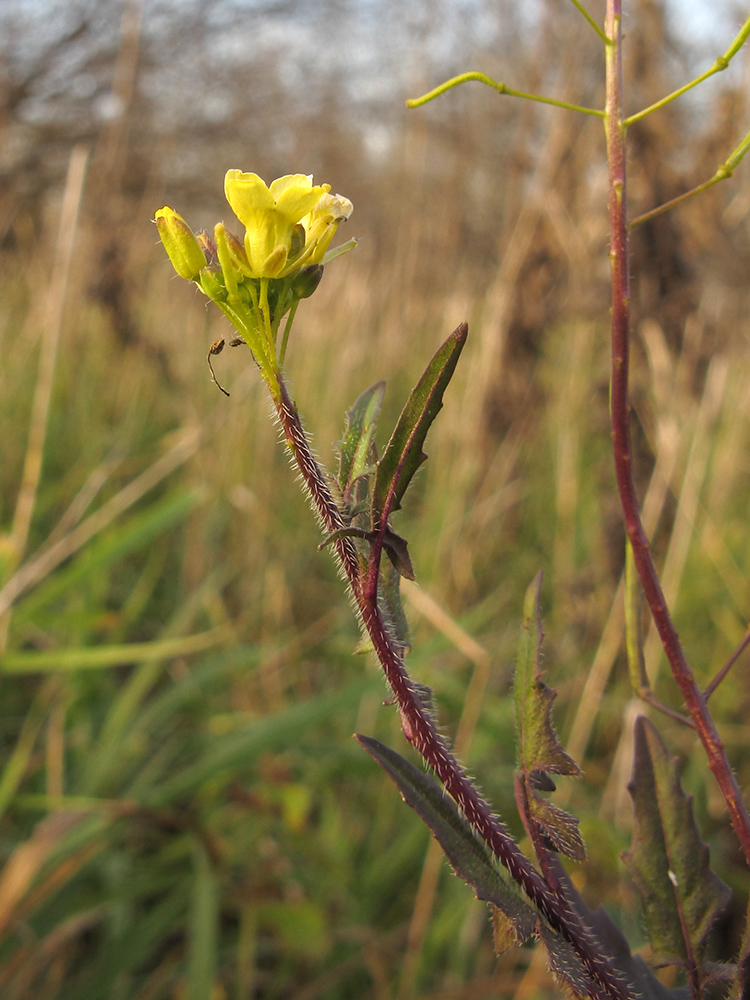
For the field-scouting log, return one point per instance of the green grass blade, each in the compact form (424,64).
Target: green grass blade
(204,930)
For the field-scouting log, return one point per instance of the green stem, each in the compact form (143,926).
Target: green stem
(582,10)
(252,337)
(724,171)
(287,330)
(674,202)
(501,88)
(265,312)
(720,64)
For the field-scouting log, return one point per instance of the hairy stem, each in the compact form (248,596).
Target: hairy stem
(422,732)
(620,264)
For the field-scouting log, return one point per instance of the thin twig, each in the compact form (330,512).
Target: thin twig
(718,65)
(501,88)
(727,666)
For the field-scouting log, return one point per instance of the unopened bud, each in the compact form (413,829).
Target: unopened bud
(182,245)
(306,280)
(235,247)
(212,285)
(297,244)
(209,248)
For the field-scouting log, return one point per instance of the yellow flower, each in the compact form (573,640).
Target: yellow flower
(274,243)
(321,224)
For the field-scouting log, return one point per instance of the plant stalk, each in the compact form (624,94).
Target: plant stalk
(422,732)
(623,456)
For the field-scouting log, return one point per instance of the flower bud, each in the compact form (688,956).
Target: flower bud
(211,285)
(306,280)
(297,244)
(209,248)
(182,246)
(236,249)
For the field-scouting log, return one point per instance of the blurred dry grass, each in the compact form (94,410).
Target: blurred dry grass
(183,814)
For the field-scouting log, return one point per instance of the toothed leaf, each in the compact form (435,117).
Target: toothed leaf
(403,454)
(504,931)
(565,965)
(355,449)
(558,826)
(468,856)
(538,746)
(539,751)
(668,860)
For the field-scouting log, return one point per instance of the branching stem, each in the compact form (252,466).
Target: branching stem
(623,456)
(420,729)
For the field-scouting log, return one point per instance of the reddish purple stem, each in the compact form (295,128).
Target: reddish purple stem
(620,260)
(422,733)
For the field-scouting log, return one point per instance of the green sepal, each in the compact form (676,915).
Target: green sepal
(468,857)
(355,449)
(403,454)
(680,894)
(539,752)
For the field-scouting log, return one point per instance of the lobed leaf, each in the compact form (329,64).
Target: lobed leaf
(680,894)
(539,750)
(558,826)
(565,965)
(538,746)
(468,856)
(403,454)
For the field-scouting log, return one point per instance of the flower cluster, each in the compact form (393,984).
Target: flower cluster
(259,280)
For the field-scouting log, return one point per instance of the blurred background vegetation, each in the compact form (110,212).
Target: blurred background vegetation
(183,812)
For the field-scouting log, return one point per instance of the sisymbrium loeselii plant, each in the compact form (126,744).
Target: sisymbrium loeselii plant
(258,281)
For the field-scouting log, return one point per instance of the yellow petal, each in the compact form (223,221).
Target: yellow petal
(247,195)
